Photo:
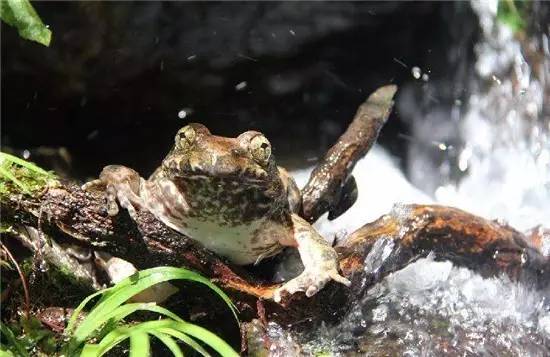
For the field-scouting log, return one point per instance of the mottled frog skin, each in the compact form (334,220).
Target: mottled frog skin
(229,195)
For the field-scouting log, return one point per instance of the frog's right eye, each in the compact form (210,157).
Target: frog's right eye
(185,137)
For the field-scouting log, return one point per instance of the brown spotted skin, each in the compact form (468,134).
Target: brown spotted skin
(228,194)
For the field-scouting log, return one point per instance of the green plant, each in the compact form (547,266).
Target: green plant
(513,13)
(20,176)
(13,346)
(104,325)
(27,334)
(21,15)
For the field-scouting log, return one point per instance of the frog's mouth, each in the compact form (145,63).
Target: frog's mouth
(233,169)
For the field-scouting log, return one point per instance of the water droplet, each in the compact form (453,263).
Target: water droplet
(416,72)
(425,77)
(292,32)
(92,135)
(26,154)
(240,86)
(184,113)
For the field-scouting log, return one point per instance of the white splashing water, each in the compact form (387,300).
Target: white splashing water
(506,132)
(434,308)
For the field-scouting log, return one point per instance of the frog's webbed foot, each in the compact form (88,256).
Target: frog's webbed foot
(311,281)
(119,183)
(320,261)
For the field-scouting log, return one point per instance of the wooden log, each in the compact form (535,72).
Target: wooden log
(388,244)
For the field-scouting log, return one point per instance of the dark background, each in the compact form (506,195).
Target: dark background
(111,84)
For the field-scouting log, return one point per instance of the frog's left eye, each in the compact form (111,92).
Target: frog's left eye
(260,149)
(185,137)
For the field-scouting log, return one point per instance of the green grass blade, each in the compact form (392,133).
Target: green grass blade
(173,273)
(12,340)
(121,333)
(90,350)
(115,337)
(127,309)
(186,339)
(168,342)
(132,286)
(162,328)
(79,308)
(108,307)
(5,352)
(205,336)
(139,345)
(111,301)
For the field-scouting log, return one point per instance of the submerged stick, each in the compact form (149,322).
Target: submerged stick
(331,186)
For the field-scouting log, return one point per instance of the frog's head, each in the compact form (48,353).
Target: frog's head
(199,154)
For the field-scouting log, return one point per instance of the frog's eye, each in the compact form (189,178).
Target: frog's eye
(185,137)
(260,149)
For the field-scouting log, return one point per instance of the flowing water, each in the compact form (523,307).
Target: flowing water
(503,164)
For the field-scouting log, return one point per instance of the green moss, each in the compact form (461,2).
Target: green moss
(18,176)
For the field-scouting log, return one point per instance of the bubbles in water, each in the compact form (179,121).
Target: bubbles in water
(434,308)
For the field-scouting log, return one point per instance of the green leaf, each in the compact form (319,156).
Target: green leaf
(4,352)
(127,309)
(139,345)
(80,307)
(154,327)
(13,343)
(108,307)
(90,350)
(186,339)
(107,343)
(168,342)
(21,14)
(205,336)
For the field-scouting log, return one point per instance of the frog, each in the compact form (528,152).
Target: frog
(229,195)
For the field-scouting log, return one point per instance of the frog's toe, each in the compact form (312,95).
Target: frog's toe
(312,290)
(339,278)
(94,185)
(310,282)
(112,208)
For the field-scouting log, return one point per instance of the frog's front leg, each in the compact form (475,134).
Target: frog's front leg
(120,183)
(319,258)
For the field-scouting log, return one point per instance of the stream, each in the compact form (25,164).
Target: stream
(503,163)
